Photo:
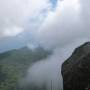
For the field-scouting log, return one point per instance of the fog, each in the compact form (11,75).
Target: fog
(63,30)
(48,71)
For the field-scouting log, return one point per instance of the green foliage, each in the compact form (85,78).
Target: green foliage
(13,65)
(10,77)
(23,57)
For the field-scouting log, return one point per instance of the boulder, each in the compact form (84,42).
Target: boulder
(76,69)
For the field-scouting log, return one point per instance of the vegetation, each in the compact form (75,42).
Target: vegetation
(13,65)
(8,77)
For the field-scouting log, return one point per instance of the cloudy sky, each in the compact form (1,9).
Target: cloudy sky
(20,18)
(51,23)
(61,25)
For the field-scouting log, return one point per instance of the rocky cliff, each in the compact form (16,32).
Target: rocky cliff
(76,69)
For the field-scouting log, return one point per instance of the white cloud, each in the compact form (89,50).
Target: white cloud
(31,46)
(12,31)
(69,22)
(18,12)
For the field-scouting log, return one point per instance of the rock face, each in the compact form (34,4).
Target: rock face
(76,70)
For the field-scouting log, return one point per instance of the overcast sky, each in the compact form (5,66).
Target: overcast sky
(51,23)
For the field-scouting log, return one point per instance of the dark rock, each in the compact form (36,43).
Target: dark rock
(76,69)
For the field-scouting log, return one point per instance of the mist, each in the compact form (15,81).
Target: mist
(62,31)
(47,72)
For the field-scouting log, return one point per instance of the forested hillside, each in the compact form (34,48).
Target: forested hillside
(14,64)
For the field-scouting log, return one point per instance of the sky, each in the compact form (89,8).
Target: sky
(20,18)
(16,14)
(50,23)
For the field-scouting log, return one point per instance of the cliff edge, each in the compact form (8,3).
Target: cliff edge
(76,69)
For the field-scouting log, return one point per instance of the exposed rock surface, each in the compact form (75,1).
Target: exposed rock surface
(76,70)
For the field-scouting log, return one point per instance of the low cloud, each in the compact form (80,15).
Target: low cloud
(63,30)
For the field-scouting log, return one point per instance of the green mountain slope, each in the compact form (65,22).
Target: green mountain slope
(14,63)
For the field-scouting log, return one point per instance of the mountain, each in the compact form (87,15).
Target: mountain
(14,64)
(76,69)
(23,57)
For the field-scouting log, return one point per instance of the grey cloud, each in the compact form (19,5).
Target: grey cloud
(69,22)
